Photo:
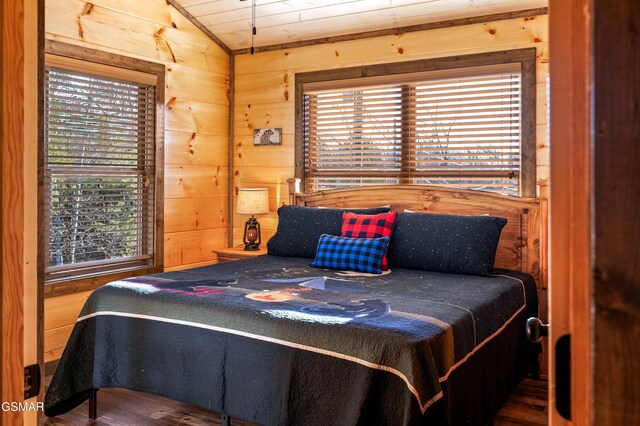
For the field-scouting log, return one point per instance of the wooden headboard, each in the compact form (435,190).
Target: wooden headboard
(519,246)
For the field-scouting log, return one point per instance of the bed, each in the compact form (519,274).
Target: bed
(274,341)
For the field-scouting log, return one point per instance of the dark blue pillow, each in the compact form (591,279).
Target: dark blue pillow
(445,243)
(299,229)
(351,254)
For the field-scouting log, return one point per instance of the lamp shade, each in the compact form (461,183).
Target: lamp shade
(252,201)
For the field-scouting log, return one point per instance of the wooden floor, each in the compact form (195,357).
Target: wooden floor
(527,406)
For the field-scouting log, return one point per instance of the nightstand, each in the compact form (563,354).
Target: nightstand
(236,253)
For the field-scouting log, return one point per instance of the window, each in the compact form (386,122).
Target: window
(466,127)
(101,169)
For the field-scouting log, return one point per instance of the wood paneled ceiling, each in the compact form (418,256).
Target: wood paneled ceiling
(286,21)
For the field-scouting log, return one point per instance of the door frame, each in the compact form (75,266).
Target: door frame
(594,230)
(12,53)
(570,283)
(22,298)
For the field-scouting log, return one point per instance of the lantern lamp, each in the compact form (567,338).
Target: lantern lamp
(252,201)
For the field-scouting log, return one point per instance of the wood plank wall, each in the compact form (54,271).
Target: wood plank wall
(196,126)
(265,97)
(264,93)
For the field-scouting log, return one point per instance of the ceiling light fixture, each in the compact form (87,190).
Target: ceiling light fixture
(253,23)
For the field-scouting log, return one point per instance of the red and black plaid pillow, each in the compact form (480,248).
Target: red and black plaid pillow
(368,226)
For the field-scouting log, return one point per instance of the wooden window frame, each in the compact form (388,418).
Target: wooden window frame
(91,58)
(354,76)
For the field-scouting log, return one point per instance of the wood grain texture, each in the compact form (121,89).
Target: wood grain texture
(197,149)
(231,254)
(304,23)
(190,265)
(570,198)
(519,245)
(62,312)
(185,214)
(197,23)
(400,30)
(543,299)
(527,406)
(12,92)
(230,138)
(265,88)
(185,248)
(55,341)
(616,171)
(188,181)
(34,258)
(166,15)
(474,38)
(54,289)
(195,113)
(117,29)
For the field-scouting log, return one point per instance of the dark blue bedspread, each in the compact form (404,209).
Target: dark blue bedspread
(277,342)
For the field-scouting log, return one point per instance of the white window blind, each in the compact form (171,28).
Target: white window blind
(353,137)
(463,131)
(99,173)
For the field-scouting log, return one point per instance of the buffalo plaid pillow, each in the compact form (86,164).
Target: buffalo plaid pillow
(368,226)
(351,254)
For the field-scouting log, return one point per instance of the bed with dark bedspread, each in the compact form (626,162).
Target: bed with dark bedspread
(274,341)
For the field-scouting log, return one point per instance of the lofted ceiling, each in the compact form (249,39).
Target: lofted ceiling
(286,21)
